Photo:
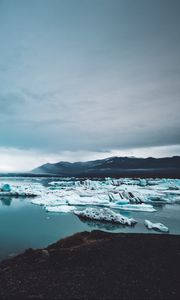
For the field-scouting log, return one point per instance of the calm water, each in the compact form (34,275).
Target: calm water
(24,225)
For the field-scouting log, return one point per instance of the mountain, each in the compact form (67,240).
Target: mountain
(115,166)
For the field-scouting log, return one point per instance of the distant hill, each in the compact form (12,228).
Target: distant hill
(115,166)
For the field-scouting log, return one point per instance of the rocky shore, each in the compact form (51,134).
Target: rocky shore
(96,265)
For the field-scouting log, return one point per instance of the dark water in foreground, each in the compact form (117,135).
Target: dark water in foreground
(24,225)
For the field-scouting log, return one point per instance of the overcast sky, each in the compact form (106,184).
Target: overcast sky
(85,79)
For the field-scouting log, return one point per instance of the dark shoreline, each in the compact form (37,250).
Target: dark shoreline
(96,265)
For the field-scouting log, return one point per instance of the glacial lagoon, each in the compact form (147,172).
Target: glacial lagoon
(34,222)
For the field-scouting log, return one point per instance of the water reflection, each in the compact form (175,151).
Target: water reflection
(11,201)
(6,200)
(102,225)
(159,206)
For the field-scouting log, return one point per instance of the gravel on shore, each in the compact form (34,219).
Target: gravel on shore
(96,265)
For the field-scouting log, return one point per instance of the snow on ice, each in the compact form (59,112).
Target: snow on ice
(156,226)
(102,196)
(105,215)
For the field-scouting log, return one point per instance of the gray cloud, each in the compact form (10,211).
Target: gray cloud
(89,75)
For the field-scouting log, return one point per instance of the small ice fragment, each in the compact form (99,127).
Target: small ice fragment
(158,226)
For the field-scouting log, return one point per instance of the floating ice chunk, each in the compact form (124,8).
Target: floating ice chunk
(134,207)
(105,215)
(160,200)
(48,202)
(60,209)
(6,187)
(54,182)
(77,183)
(16,191)
(87,201)
(157,226)
(151,182)
(142,182)
(123,193)
(134,197)
(91,184)
(84,193)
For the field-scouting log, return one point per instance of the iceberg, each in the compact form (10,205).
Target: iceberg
(105,215)
(156,226)
(142,182)
(134,207)
(75,199)
(49,202)
(5,188)
(125,194)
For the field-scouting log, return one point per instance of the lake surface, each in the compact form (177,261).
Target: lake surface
(25,225)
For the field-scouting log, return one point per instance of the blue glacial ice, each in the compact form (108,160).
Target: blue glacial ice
(7,190)
(124,194)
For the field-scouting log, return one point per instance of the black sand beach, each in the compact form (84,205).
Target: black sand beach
(96,265)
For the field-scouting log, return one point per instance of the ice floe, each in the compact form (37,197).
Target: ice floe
(135,207)
(123,194)
(60,209)
(156,226)
(7,190)
(105,215)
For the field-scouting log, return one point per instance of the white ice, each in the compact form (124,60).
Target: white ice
(157,226)
(134,207)
(18,191)
(60,209)
(105,215)
(140,195)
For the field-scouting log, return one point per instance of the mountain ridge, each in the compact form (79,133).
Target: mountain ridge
(114,166)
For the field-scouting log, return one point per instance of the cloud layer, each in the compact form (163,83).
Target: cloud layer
(15,160)
(89,76)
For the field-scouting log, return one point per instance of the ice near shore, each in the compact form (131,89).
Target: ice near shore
(156,226)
